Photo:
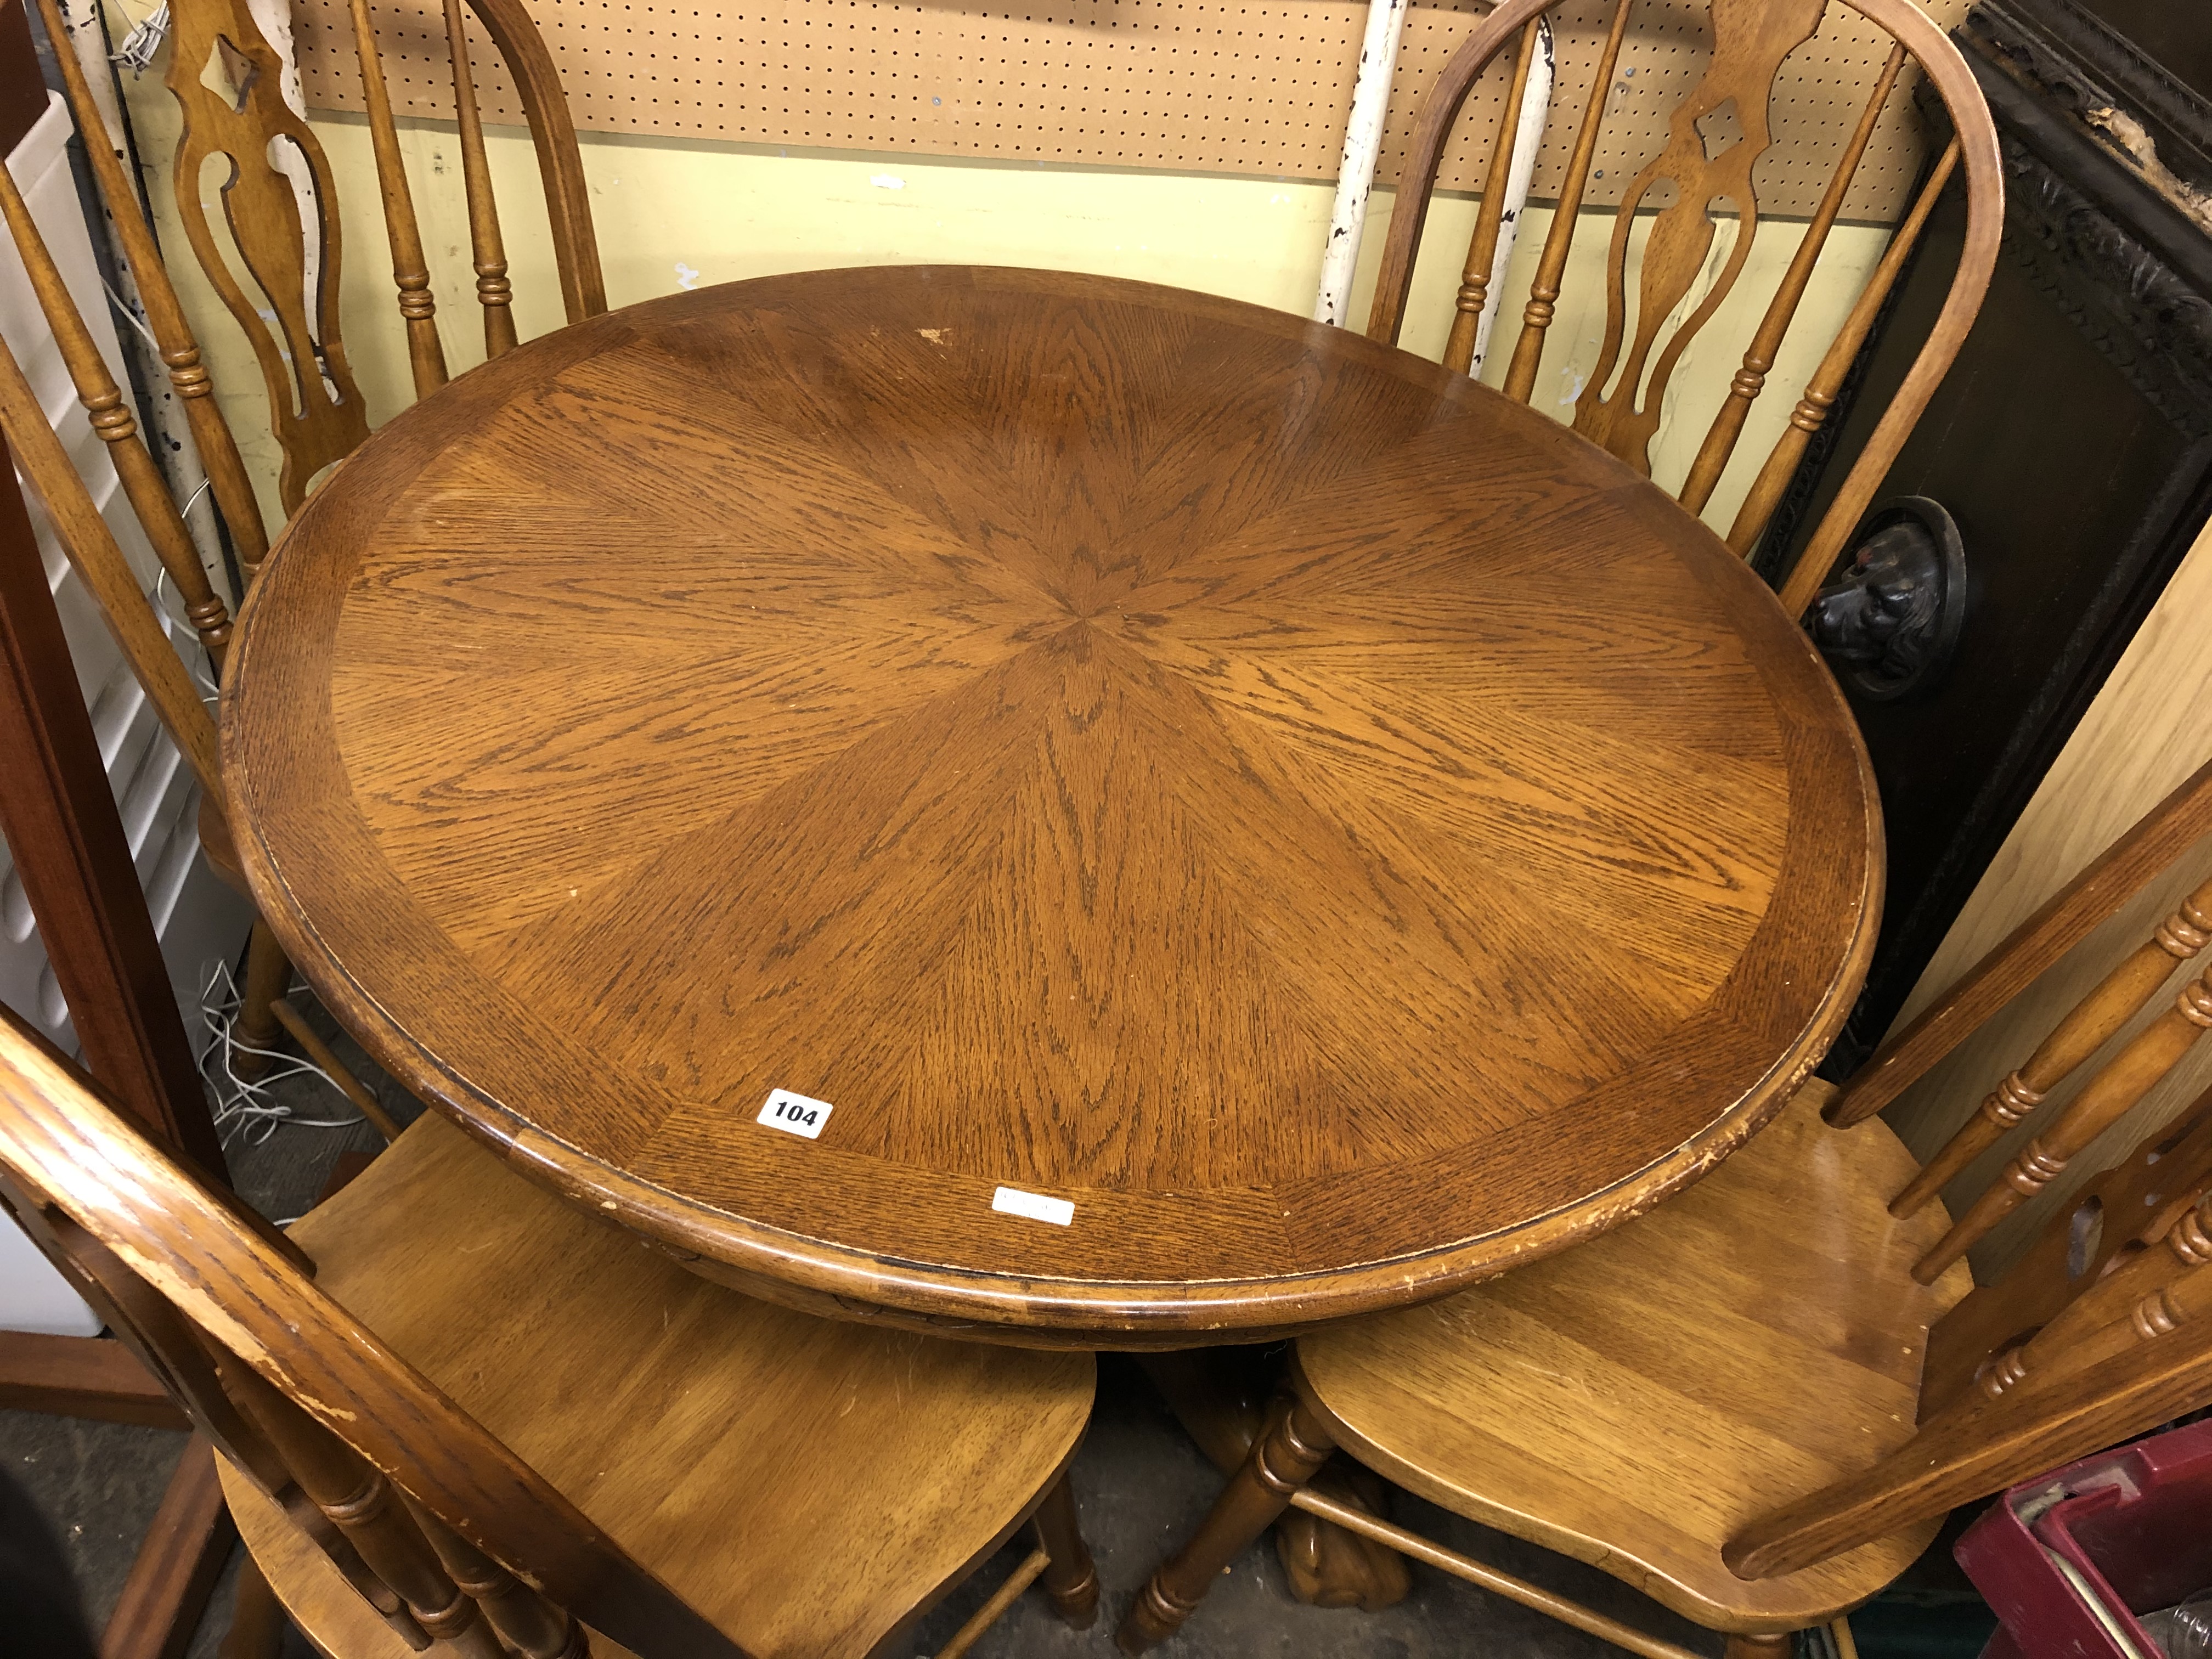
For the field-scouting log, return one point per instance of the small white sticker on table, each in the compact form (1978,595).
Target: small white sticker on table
(795,1114)
(1012,1201)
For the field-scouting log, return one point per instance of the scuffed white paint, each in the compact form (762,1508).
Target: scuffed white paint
(1363,144)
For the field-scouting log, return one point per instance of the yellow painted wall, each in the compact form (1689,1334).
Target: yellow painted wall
(674,213)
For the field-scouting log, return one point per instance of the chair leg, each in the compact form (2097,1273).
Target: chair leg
(257,1621)
(268,977)
(1282,1460)
(1072,1580)
(1761,1647)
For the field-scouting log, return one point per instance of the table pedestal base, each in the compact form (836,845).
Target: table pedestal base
(1220,1396)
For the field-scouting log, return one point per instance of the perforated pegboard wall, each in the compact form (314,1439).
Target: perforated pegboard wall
(1224,86)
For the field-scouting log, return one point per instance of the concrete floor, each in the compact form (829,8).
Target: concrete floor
(1141,1485)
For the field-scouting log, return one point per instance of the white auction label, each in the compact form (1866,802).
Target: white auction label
(795,1114)
(1012,1201)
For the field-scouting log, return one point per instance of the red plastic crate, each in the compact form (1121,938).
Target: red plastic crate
(2068,1560)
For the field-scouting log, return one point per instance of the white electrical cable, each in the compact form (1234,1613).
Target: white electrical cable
(1363,145)
(243,1110)
(1536,115)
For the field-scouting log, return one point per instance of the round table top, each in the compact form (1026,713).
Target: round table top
(1329,827)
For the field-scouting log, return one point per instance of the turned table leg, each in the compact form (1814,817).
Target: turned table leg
(1220,1397)
(1282,1460)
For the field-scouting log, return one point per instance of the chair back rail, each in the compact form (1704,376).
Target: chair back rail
(2119,1341)
(560,161)
(1621,404)
(2153,844)
(308,1402)
(2102,1329)
(165,315)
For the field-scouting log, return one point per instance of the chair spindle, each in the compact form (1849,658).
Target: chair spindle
(361,1502)
(1544,294)
(112,419)
(165,315)
(1482,248)
(494,292)
(92,548)
(1751,380)
(1812,410)
(2108,1096)
(410,269)
(2144,1296)
(2094,1020)
(524,1618)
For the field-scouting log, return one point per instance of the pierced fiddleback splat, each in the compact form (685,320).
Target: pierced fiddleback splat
(1544,294)
(1482,248)
(112,419)
(165,315)
(410,269)
(315,408)
(1750,39)
(494,292)
(1751,380)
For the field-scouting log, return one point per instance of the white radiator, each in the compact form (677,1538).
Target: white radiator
(197,918)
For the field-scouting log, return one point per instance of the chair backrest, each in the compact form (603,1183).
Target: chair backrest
(83,532)
(165,317)
(2103,1328)
(436,1522)
(229,82)
(1621,406)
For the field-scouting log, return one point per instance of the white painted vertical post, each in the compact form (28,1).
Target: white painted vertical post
(1363,144)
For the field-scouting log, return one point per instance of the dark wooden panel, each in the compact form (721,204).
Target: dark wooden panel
(2073,445)
(61,826)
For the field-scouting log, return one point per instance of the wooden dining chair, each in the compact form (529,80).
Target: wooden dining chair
(130,614)
(1757,1402)
(452,1406)
(1621,406)
(228,80)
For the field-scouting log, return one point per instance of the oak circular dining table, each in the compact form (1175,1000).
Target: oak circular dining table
(1048,808)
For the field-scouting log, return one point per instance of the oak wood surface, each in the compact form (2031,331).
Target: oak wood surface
(705,1474)
(2101,889)
(1638,1400)
(884,1465)
(1339,830)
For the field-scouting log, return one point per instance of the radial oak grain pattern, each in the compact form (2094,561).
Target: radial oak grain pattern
(1340,830)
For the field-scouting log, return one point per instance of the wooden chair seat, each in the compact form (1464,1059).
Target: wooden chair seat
(1637,1401)
(803,1484)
